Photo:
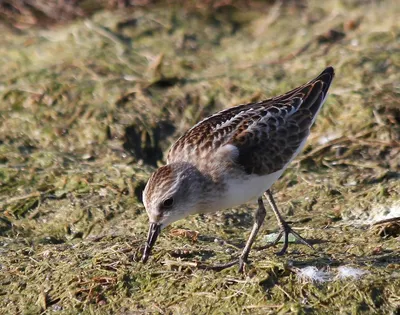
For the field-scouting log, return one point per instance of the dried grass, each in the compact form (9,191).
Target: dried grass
(86,106)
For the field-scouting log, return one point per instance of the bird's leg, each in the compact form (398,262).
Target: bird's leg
(285,229)
(258,221)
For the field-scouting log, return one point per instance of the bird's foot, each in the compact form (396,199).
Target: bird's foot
(242,261)
(285,231)
(242,264)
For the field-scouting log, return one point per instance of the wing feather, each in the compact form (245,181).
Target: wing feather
(267,134)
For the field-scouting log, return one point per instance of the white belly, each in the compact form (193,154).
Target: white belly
(240,191)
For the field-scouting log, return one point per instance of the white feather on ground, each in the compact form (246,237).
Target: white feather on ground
(315,275)
(312,274)
(344,272)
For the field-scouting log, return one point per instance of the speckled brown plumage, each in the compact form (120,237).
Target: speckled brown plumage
(233,157)
(267,133)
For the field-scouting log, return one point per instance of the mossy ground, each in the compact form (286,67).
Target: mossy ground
(88,108)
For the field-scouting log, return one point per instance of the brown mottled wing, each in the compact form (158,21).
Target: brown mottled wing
(257,128)
(267,144)
(208,133)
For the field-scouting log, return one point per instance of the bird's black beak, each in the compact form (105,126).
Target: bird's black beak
(154,231)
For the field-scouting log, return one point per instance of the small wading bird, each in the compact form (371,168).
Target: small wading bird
(232,157)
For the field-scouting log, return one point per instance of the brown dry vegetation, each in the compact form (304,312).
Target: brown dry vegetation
(88,108)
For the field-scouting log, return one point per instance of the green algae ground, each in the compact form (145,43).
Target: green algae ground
(88,108)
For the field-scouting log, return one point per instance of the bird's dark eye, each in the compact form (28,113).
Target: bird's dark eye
(167,203)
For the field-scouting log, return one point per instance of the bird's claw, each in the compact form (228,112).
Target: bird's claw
(241,261)
(284,232)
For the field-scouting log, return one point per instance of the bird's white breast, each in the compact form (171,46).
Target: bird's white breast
(248,188)
(241,190)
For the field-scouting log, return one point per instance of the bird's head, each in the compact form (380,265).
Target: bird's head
(172,193)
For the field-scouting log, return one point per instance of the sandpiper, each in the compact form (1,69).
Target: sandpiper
(232,157)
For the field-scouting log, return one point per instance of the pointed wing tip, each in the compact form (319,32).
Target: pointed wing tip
(329,70)
(326,77)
